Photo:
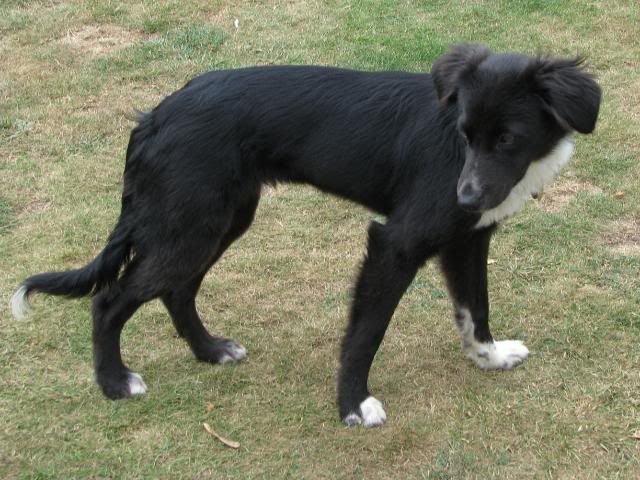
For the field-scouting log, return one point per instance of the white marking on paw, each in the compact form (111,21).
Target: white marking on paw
(501,355)
(136,384)
(371,414)
(20,303)
(352,419)
(234,353)
(539,173)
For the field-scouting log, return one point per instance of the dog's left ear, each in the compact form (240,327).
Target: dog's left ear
(570,93)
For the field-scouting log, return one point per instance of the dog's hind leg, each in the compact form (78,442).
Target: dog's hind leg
(171,268)
(386,273)
(464,263)
(206,347)
(112,307)
(180,301)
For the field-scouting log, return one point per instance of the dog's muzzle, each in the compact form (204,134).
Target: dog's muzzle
(470,196)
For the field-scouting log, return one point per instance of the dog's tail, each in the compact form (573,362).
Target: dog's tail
(97,274)
(103,270)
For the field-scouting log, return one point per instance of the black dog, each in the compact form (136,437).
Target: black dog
(444,156)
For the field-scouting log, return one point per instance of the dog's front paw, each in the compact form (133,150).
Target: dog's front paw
(136,384)
(232,352)
(125,385)
(502,355)
(370,414)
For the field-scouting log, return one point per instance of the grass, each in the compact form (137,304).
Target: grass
(563,277)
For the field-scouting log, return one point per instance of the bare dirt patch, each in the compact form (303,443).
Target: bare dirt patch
(100,39)
(557,196)
(35,206)
(623,237)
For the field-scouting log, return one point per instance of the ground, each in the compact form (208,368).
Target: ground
(563,274)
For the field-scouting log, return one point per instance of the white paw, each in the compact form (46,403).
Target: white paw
(371,414)
(136,384)
(502,355)
(234,352)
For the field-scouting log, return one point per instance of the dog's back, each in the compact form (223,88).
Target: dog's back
(354,134)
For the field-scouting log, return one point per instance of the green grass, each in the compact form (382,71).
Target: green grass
(564,279)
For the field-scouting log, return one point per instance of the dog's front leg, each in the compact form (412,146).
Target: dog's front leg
(464,263)
(386,273)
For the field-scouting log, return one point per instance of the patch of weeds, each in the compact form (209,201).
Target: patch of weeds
(335,300)
(628,320)
(196,44)
(502,457)
(545,7)
(21,3)
(11,128)
(617,273)
(379,45)
(7,216)
(549,344)
(156,25)
(604,206)
(426,289)
(608,167)
(108,11)
(134,57)
(14,20)
(89,145)
(533,231)
(451,465)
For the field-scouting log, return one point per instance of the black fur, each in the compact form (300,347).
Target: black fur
(392,142)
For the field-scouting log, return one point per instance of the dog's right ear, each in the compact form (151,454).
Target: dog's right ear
(459,60)
(571,94)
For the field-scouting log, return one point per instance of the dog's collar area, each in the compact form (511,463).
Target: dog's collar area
(539,173)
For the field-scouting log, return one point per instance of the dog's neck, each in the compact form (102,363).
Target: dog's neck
(539,173)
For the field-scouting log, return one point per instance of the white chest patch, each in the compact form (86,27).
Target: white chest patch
(538,175)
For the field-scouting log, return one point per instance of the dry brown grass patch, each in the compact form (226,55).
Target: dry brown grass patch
(100,39)
(557,196)
(623,237)
(35,205)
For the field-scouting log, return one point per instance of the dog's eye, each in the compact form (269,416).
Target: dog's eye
(506,139)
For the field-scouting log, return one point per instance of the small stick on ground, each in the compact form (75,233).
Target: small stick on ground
(228,443)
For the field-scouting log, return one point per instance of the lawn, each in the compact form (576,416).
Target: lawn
(564,274)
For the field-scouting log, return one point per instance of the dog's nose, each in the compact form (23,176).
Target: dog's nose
(469,197)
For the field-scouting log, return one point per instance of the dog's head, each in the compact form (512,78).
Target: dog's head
(514,110)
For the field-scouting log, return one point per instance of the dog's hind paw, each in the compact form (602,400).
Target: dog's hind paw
(220,350)
(370,414)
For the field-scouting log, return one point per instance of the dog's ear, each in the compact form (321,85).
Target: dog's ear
(570,93)
(459,60)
